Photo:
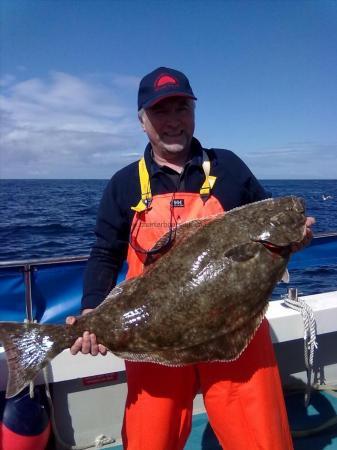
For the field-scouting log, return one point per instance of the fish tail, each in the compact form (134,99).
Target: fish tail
(29,347)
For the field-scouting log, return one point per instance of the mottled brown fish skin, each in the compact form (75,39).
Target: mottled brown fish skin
(215,283)
(201,301)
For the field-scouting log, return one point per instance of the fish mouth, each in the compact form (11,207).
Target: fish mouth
(280,250)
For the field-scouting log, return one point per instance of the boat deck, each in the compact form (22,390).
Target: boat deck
(322,408)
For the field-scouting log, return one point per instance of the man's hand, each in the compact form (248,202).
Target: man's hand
(307,235)
(87,343)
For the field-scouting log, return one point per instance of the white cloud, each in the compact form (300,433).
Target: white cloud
(125,81)
(296,160)
(6,80)
(64,126)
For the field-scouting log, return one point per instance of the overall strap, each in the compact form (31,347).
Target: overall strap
(145,188)
(205,190)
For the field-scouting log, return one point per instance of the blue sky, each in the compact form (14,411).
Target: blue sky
(264,72)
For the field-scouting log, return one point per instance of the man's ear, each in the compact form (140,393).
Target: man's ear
(141,120)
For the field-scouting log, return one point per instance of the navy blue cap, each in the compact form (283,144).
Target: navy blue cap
(162,83)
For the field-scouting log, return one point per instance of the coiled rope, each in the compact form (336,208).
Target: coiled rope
(310,331)
(310,345)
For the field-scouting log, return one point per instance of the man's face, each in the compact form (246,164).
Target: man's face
(169,124)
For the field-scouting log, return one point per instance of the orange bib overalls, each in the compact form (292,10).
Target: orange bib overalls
(243,399)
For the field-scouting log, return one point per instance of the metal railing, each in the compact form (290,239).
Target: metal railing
(42,261)
(29,266)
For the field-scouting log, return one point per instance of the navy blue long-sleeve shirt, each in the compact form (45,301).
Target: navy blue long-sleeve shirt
(235,186)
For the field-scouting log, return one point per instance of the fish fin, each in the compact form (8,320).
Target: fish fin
(285,277)
(180,234)
(28,348)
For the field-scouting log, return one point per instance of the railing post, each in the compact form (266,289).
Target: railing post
(28,292)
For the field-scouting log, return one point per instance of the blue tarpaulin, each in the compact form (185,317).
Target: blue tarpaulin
(56,291)
(12,294)
(320,253)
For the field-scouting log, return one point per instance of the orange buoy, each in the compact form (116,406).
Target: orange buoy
(25,422)
(2,407)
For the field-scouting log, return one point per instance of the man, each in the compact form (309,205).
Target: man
(178,180)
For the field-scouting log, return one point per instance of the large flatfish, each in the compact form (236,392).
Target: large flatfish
(202,300)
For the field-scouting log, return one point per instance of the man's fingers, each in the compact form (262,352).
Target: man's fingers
(76,347)
(307,235)
(102,349)
(86,343)
(310,221)
(93,345)
(70,320)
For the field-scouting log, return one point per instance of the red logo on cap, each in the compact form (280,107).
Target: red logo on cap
(165,81)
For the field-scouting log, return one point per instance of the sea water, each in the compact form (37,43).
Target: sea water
(50,218)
